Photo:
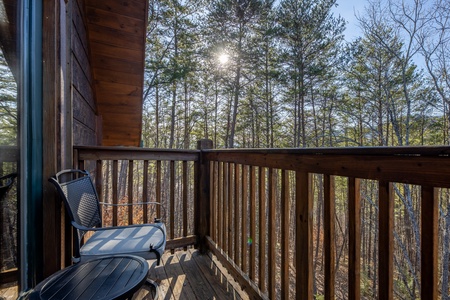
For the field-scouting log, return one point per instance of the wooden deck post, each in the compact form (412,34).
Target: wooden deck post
(202,202)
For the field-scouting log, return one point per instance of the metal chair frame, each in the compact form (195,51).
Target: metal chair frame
(81,200)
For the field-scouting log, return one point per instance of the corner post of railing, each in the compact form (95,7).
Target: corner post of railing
(202,204)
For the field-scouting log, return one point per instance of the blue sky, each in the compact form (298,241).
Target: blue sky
(347,9)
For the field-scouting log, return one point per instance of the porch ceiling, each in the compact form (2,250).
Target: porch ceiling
(117,44)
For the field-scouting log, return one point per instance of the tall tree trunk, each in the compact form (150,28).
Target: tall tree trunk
(186,116)
(237,91)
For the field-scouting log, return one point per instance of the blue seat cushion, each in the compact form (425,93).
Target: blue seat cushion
(135,240)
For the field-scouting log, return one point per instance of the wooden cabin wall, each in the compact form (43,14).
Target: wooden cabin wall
(85,120)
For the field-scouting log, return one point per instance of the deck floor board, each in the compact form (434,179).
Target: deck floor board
(182,275)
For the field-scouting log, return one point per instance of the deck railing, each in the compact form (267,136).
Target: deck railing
(254,209)
(9,156)
(137,175)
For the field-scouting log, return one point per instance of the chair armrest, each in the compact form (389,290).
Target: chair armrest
(108,228)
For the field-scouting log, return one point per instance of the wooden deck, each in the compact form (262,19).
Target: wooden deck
(182,275)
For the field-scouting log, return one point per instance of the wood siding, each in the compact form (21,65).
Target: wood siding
(82,92)
(116,31)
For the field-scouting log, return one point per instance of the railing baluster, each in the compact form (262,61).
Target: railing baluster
(225,206)
(354,243)
(221,205)
(213,197)
(429,243)
(230,211)
(158,189)
(386,240)
(244,215)
(304,236)
(237,182)
(115,179)
(130,191)
(329,237)
(252,238)
(272,236)
(172,202)
(262,229)
(99,181)
(145,192)
(185,199)
(284,235)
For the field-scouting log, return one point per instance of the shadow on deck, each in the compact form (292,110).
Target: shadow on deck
(182,275)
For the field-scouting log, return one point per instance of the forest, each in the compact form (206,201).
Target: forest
(272,74)
(281,74)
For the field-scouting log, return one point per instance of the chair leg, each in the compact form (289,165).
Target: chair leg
(153,285)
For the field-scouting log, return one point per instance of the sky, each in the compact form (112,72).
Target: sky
(348,10)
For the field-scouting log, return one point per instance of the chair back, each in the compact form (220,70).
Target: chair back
(6,183)
(80,198)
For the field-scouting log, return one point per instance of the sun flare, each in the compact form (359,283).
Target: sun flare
(223,58)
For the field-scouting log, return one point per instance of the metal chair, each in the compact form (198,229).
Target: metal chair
(6,182)
(81,201)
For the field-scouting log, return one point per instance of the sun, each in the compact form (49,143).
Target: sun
(224,58)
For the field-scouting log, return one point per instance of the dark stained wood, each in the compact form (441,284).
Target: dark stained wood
(134,153)
(8,276)
(172,200)
(113,37)
(244,217)
(429,243)
(225,207)
(145,192)
(51,137)
(116,20)
(185,199)
(430,165)
(252,242)
(262,230)
(329,237)
(116,31)
(386,240)
(158,188)
(354,238)
(130,191)
(115,195)
(272,238)
(181,242)
(126,8)
(83,113)
(213,197)
(81,80)
(105,75)
(284,216)
(237,205)
(304,236)
(229,211)
(220,206)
